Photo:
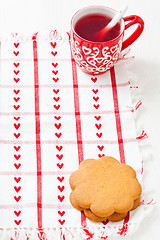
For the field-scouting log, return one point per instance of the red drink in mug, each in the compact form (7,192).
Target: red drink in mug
(94,54)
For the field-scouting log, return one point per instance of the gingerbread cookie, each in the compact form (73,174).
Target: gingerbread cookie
(136,204)
(91,216)
(74,203)
(115,217)
(104,187)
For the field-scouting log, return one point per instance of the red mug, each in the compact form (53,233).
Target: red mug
(98,57)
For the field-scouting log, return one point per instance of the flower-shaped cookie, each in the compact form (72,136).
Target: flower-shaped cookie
(105,187)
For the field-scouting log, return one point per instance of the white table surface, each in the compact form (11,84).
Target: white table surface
(42,15)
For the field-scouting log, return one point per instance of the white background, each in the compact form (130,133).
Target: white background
(42,15)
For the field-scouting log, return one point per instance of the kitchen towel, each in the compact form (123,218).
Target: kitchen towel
(52,117)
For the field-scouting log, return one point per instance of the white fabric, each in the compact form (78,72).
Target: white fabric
(26,206)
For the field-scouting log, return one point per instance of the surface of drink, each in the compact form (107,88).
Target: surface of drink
(88,27)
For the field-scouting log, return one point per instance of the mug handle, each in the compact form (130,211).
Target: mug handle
(134,19)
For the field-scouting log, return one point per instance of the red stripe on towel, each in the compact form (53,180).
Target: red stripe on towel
(117,116)
(124,229)
(38,140)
